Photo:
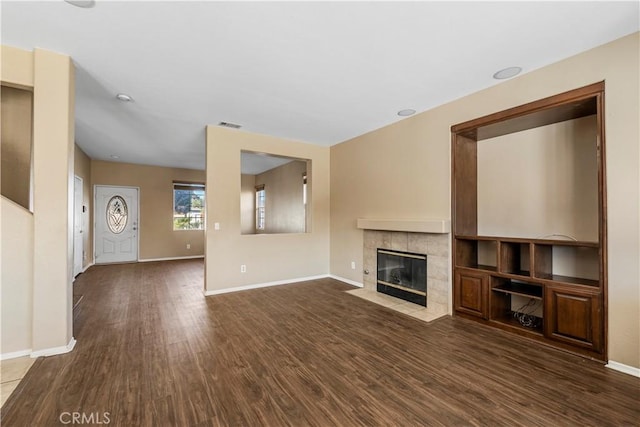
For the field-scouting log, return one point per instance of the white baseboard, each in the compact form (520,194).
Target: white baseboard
(623,368)
(83,270)
(15,354)
(175,258)
(87,267)
(263,285)
(55,350)
(348,281)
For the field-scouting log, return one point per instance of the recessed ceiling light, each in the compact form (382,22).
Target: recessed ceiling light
(407,112)
(507,73)
(113,156)
(87,4)
(124,97)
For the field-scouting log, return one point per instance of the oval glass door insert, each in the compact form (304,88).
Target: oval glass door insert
(117,214)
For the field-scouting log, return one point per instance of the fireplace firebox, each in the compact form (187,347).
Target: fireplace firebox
(403,275)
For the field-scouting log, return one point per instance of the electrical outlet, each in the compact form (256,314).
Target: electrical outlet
(243,268)
(216,226)
(353,265)
(188,245)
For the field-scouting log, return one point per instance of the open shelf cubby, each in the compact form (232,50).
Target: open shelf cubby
(567,263)
(517,304)
(515,258)
(476,253)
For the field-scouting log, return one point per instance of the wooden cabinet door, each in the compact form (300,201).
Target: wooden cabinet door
(574,317)
(471,293)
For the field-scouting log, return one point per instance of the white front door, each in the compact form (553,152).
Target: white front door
(116,224)
(78,242)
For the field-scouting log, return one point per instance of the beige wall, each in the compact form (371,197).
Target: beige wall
(268,257)
(53,146)
(248,204)
(82,168)
(284,208)
(540,182)
(16,67)
(48,251)
(16,281)
(157,238)
(414,154)
(17,108)
(397,172)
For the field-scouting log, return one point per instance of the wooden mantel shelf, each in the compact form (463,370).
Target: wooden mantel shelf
(409,225)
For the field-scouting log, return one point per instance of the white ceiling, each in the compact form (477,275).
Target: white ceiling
(320,72)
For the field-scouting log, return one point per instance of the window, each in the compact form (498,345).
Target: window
(260,199)
(117,214)
(188,206)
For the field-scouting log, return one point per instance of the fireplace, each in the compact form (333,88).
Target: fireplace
(402,275)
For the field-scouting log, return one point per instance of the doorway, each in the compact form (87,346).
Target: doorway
(115,224)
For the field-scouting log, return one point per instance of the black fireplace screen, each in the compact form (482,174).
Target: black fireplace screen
(403,275)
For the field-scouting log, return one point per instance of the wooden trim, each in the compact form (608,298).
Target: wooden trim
(551,242)
(464,185)
(602,220)
(471,128)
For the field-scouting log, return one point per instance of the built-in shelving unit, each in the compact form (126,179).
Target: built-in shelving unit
(551,290)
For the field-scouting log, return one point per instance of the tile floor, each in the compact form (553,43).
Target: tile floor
(11,372)
(426,314)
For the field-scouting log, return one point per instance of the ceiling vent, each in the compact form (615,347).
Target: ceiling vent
(229,125)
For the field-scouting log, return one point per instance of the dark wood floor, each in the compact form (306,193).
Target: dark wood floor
(153,351)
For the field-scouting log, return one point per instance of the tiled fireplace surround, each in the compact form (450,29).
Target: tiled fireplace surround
(434,245)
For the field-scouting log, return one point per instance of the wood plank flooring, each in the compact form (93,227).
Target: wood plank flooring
(152,351)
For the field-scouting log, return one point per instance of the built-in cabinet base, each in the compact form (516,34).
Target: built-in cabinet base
(570,319)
